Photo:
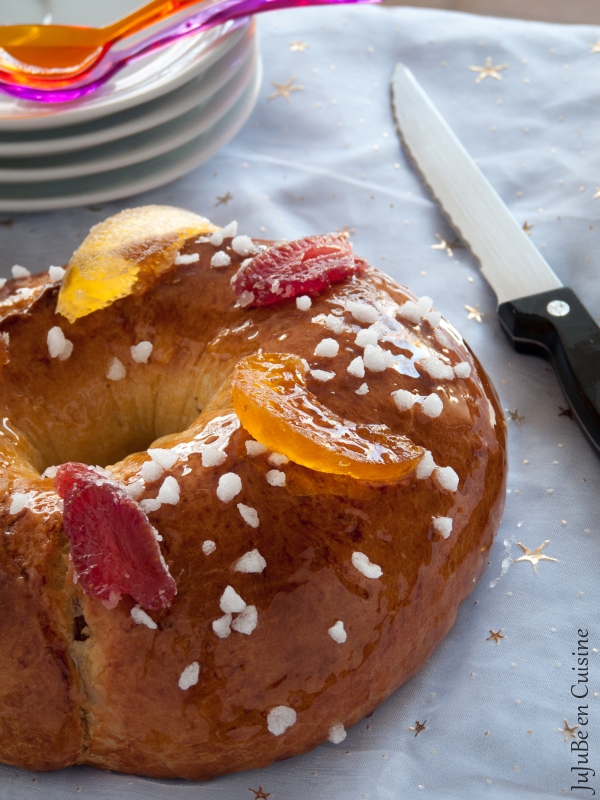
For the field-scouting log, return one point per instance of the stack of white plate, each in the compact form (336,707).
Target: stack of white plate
(151,123)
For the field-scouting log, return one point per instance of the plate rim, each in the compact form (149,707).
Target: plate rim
(156,176)
(198,89)
(200,57)
(175,133)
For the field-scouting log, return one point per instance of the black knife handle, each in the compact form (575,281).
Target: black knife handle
(556,325)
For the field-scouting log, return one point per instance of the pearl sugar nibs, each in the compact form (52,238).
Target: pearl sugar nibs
(278,459)
(410,311)
(424,304)
(404,399)
(169,492)
(462,370)
(213,456)
(243,245)
(116,370)
(230,230)
(436,368)
(443,526)
(151,471)
(231,602)
(433,318)
(229,486)
(139,616)
(322,375)
(334,324)
(250,562)
(141,352)
(337,632)
(425,466)
(275,477)
(249,515)
(56,274)
(58,346)
(186,258)
(327,348)
(337,733)
(246,621)
(220,259)
(280,718)
(19,501)
(370,335)
(357,367)
(362,312)
(254,448)
(189,676)
(222,626)
(361,562)
(446,478)
(376,359)
(432,406)
(163,457)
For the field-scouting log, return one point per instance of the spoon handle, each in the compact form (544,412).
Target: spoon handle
(151,13)
(212,13)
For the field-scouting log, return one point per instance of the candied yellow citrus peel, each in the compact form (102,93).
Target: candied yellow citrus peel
(119,251)
(274,405)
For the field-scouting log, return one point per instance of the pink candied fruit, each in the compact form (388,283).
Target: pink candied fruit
(113,545)
(306,266)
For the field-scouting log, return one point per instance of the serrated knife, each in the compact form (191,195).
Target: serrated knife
(538,313)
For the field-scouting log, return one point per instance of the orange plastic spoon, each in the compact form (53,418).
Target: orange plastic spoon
(59,52)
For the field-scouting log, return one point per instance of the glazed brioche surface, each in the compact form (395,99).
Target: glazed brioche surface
(210,689)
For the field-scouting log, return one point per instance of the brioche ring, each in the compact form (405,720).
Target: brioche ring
(302,469)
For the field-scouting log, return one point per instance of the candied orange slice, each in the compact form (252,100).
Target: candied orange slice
(274,405)
(119,251)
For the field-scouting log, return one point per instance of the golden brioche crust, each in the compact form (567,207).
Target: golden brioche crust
(84,684)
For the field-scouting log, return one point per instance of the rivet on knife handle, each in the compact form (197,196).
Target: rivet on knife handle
(557,324)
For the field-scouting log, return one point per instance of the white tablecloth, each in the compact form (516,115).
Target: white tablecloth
(328,158)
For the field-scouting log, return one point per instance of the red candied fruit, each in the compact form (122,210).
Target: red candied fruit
(306,266)
(113,545)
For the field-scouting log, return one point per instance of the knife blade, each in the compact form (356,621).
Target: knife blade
(538,314)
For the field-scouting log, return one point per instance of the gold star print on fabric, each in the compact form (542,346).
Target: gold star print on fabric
(515,416)
(527,227)
(222,201)
(595,48)
(596,195)
(568,731)
(495,636)
(345,232)
(449,247)
(534,556)
(259,794)
(418,727)
(474,313)
(298,47)
(285,89)
(488,71)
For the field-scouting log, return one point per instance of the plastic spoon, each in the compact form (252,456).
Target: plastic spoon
(60,52)
(80,60)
